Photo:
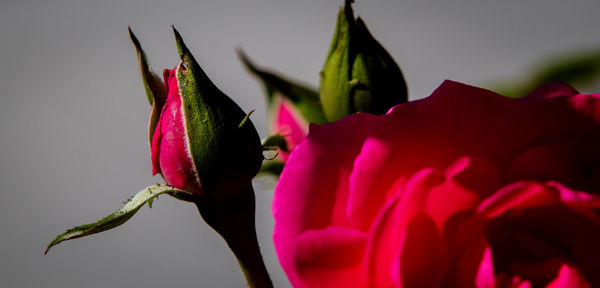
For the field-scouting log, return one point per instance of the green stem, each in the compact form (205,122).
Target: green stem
(233,218)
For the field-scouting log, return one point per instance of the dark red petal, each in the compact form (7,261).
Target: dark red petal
(569,161)
(423,255)
(332,257)
(156,140)
(541,233)
(569,277)
(549,90)
(541,123)
(388,230)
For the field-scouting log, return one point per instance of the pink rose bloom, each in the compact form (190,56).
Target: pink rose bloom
(465,188)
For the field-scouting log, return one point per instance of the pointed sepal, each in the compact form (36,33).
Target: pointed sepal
(225,154)
(334,89)
(155,89)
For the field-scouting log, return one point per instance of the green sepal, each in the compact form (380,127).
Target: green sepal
(122,215)
(155,89)
(225,154)
(381,84)
(305,99)
(276,141)
(334,89)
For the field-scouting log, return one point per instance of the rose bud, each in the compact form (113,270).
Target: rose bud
(291,107)
(359,75)
(201,141)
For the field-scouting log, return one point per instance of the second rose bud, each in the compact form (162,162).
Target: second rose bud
(359,75)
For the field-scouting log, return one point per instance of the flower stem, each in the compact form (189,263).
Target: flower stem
(233,218)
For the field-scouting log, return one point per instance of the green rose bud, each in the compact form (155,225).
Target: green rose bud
(359,75)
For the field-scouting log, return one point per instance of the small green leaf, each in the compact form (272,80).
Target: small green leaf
(121,215)
(304,98)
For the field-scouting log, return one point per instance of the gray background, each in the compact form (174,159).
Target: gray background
(73,113)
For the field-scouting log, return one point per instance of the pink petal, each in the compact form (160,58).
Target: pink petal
(388,231)
(540,233)
(485,274)
(313,189)
(423,255)
(569,277)
(332,257)
(468,181)
(432,132)
(538,273)
(289,123)
(169,148)
(467,244)
(442,197)
(518,195)
(524,194)
(569,161)
(539,123)
(156,140)
(588,105)
(549,90)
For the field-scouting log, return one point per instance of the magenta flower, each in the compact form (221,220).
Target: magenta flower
(465,188)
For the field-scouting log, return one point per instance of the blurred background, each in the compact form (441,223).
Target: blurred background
(73,113)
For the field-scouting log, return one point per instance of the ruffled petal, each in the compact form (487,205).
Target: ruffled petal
(521,238)
(442,196)
(423,255)
(467,181)
(539,128)
(388,231)
(568,161)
